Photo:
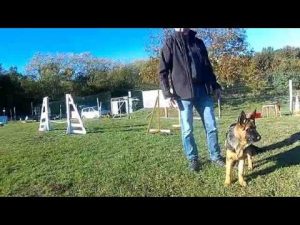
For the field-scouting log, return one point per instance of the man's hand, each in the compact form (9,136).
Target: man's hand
(172,102)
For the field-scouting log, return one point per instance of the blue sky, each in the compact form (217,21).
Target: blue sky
(18,45)
(274,37)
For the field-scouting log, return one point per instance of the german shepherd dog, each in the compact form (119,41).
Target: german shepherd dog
(238,146)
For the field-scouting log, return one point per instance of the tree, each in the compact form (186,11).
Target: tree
(286,66)
(228,52)
(12,92)
(123,77)
(148,73)
(254,77)
(67,73)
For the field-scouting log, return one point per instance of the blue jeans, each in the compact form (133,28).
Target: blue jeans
(204,105)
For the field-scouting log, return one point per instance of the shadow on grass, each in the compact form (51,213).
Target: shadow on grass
(286,142)
(283,159)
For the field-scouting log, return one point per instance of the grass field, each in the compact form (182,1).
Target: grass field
(117,158)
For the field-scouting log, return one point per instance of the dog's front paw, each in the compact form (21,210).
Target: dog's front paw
(227,183)
(243,183)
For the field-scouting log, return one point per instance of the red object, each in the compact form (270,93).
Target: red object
(258,115)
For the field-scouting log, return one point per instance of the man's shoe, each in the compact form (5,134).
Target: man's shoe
(219,162)
(194,165)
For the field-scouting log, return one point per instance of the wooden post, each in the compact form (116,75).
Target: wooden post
(159,130)
(153,111)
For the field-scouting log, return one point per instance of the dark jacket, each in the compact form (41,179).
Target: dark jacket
(175,61)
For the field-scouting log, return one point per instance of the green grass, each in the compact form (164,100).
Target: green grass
(117,158)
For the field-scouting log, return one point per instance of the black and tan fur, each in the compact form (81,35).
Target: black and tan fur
(238,144)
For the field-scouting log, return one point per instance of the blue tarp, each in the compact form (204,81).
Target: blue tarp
(3,119)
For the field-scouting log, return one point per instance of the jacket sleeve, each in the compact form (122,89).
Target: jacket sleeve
(165,68)
(214,83)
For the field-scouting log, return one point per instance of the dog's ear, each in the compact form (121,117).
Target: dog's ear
(242,118)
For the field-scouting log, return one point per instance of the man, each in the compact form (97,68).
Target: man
(187,78)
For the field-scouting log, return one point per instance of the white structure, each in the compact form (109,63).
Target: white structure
(149,98)
(122,105)
(44,120)
(75,125)
(119,105)
(294,98)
